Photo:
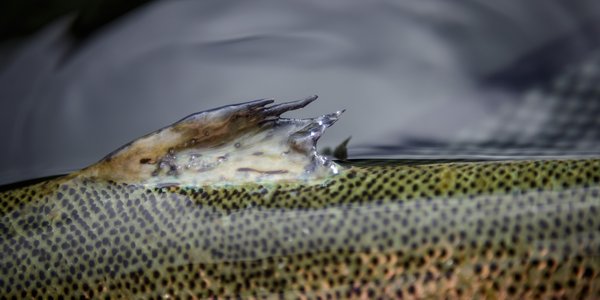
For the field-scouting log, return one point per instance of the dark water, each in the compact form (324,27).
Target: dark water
(417,78)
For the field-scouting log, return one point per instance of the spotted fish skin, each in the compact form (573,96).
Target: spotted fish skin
(487,230)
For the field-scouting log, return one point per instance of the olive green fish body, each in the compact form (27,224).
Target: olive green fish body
(237,203)
(460,230)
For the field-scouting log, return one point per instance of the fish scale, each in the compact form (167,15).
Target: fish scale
(386,231)
(139,224)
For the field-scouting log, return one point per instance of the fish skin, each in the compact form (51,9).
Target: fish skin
(483,230)
(149,221)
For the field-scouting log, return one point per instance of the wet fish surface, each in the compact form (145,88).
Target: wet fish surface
(281,221)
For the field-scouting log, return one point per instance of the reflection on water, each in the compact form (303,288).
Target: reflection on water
(425,78)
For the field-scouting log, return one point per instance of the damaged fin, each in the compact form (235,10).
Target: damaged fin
(241,143)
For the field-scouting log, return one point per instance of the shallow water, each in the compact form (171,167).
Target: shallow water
(418,79)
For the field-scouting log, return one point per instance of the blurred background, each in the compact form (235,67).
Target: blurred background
(418,79)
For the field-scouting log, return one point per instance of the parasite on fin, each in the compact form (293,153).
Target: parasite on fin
(240,143)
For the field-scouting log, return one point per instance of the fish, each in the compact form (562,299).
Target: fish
(236,202)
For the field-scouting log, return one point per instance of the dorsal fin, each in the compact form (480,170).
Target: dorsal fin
(246,142)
